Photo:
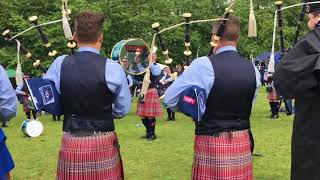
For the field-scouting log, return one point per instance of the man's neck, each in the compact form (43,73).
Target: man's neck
(223,44)
(96,46)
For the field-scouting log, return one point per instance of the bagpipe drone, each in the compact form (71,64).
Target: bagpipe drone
(302,57)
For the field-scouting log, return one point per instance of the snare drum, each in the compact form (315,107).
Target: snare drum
(32,128)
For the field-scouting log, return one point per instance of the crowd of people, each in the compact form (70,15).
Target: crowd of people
(223,142)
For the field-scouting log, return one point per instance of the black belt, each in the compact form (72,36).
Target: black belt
(80,133)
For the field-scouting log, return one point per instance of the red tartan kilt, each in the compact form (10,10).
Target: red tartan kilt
(151,107)
(90,158)
(25,103)
(273,96)
(222,158)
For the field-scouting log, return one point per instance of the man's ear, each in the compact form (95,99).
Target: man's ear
(75,37)
(100,38)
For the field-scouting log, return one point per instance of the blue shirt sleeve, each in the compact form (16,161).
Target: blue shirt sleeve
(130,80)
(200,73)
(19,90)
(117,83)
(258,84)
(8,98)
(155,69)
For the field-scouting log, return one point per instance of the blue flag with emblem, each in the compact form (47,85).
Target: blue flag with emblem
(192,102)
(44,95)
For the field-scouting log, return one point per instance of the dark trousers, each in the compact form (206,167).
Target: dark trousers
(274,108)
(171,114)
(150,125)
(34,114)
(56,117)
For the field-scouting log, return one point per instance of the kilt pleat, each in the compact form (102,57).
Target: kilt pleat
(90,158)
(227,157)
(152,106)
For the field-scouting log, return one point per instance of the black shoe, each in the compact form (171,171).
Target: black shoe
(4,125)
(145,136)
(151,137)
(274,117)
(289,114)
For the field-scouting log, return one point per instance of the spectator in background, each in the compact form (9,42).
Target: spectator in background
(273,98)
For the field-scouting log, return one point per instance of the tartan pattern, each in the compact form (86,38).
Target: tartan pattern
(151,107)
(26,106)
(227,157)
(90,158)
(273,96)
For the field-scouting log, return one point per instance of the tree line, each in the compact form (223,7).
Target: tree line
(133,18)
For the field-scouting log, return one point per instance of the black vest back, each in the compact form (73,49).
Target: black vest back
(230,100)
(86,99)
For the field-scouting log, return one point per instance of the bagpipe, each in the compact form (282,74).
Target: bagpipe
(296,72)
(278,22)
(42,92)
(36,62)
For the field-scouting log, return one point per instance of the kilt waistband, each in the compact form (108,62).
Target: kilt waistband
(102,139)
(81,133)
(227,132)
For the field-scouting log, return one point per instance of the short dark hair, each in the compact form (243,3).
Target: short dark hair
(232,30)
(316,13)
(88,26)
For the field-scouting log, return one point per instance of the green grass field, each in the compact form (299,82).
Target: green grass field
(168,157)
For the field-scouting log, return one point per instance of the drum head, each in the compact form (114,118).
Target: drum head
(115,53)
(133,55)
(34,128)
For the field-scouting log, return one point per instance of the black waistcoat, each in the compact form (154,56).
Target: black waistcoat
(86,99)
(230,100)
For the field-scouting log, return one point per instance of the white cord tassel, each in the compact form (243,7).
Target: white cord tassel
(271,61)
(66,26)
(19,75)
(252,29)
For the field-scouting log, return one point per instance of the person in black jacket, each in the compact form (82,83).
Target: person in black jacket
(298,76)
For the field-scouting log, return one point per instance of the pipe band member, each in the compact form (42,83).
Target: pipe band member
(231,84)
(8,109)
(298,76)
(94,91)
(151,107)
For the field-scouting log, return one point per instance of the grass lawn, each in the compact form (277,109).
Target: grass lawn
(168,157)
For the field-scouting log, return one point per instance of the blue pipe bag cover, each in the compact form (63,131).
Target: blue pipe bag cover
(6,162)
(192,102)
(44,95)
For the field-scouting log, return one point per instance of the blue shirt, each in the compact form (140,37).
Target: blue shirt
(19,89)
(117,82)
(130,81)
(8,98)
(199,73)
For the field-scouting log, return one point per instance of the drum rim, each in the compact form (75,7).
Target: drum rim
(27,122)
(120,62)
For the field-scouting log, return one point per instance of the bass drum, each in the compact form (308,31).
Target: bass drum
(32,128)
(132,54)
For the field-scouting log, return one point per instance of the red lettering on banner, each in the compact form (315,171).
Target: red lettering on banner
(135,48)
(189,100)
